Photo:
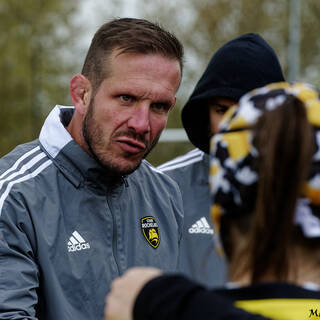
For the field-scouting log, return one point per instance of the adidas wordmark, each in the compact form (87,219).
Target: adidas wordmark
(201,226)
(77,243)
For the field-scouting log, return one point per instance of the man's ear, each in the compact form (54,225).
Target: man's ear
(80,91)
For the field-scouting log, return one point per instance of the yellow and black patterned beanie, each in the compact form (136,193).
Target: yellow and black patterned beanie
(233,177)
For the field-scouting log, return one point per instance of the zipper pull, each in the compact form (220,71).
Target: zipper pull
(124,180)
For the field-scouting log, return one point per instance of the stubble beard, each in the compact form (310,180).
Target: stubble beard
(93,137)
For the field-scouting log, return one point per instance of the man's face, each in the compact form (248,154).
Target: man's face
(217,108)
(130,109)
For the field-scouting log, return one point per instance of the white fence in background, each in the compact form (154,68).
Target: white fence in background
(174,135)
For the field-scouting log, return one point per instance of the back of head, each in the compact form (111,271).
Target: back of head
(266,178)
(128,35)
(241,65)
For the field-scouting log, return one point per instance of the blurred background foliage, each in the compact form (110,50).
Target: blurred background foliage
(43,43)
(33,66)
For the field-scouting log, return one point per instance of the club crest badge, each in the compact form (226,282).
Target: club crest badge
(150,230)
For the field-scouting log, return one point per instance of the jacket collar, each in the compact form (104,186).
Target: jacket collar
(75,164)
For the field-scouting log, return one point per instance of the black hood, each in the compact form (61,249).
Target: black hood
(241,65)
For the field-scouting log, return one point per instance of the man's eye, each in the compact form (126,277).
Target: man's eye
(160,107)
(125,97)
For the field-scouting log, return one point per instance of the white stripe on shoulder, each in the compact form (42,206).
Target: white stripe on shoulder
(19,161)
(24,178)
(182,164)
(196,151)
(194,154)
(152,167)
(24,168)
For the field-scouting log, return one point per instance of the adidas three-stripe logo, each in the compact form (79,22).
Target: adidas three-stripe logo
(77,243)
(201,226)
(192,156)
(26,167)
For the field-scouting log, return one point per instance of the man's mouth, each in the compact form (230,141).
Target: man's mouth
(131,145)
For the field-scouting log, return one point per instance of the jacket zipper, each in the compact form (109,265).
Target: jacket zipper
(114,239)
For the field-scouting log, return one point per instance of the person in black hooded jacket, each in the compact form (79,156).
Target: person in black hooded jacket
(242,64)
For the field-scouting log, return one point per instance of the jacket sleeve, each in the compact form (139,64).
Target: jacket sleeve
(19,274)
(176,297)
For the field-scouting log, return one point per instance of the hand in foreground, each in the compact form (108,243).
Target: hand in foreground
(124,291)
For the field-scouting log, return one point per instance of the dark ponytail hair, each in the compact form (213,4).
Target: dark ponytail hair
(283,138)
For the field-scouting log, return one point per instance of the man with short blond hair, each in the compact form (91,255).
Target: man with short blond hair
(80,205)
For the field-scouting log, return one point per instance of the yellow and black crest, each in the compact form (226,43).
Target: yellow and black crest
(150,230)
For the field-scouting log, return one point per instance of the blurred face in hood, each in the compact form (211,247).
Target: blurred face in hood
(217,108)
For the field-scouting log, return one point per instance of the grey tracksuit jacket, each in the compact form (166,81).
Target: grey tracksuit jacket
(64,235)
(198,258)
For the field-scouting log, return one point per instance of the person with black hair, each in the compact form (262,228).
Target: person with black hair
(242,64)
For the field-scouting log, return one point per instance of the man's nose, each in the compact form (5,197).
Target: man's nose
(140,119)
